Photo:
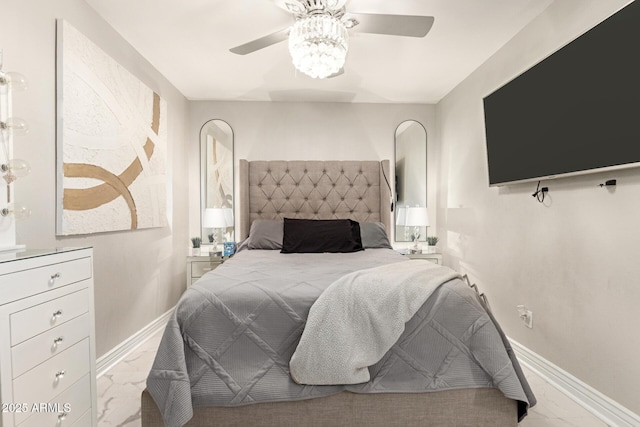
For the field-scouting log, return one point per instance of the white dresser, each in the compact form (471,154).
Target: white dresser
(47,338)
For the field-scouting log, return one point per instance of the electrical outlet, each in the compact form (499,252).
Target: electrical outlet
(526,315)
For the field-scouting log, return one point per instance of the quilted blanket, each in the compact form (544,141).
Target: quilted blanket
(233,333)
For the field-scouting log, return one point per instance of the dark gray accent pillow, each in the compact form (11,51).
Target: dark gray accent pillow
(374,235)
(321,235)
(266,234)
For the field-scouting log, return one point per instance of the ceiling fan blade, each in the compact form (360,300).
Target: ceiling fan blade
(261,43)
(394,25)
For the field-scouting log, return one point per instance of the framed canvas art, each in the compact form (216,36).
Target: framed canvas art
(111,142)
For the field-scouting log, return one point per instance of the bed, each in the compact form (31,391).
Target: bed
(226,354)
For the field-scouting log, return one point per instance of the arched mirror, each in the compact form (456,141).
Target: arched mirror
(411,217)
(216,182)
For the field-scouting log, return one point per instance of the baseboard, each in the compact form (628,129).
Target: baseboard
(122,350)
(608,410)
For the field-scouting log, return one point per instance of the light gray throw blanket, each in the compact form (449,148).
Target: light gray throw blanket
(359,317)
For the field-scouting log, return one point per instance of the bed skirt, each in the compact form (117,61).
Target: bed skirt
(467,407)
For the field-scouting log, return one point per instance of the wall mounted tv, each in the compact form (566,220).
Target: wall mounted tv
(575,112)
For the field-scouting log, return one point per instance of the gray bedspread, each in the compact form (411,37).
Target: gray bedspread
(232,335)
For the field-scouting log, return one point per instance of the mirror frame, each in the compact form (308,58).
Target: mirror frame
(399,236)
(203,177)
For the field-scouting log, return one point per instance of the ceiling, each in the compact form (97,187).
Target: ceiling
(188,41)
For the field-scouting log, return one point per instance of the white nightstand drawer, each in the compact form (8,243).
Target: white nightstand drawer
(68,407)
(199,268)
(45,381)
(35,280)
(32,321)
(36,350)
(432,257)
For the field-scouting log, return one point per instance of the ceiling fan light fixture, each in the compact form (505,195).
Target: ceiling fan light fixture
(318,45)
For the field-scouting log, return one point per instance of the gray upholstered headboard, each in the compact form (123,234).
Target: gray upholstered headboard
(357,190)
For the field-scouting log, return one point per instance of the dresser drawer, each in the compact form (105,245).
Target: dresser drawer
(198,268)
(36,350)
(32,281)
(42,317)
(68,407)
(47,380)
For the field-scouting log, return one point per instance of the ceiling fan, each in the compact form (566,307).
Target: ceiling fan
(319,37)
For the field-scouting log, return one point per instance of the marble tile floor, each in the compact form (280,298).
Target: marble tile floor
(119,395)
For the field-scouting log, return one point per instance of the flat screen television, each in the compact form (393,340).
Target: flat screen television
(577,111)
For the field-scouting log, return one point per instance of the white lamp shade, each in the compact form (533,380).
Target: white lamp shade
(417,217)
(217,218)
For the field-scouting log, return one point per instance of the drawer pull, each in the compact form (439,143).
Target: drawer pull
(59,375)
(57,314)
(53,278)
(57,341)
(62,416)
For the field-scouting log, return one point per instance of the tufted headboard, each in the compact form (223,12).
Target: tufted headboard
(357,190)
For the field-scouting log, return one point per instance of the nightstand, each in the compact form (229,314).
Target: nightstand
(433,257)
(198,265)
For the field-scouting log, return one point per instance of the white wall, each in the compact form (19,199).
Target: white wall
(574,260)
(138,274)
(308,131)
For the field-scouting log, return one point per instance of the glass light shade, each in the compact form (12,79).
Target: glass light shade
(318,45)
(15,125)
(19,212)
(17,167)
(16,80)
(14,169)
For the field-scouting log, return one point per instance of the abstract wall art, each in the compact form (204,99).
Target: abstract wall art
(111,142)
